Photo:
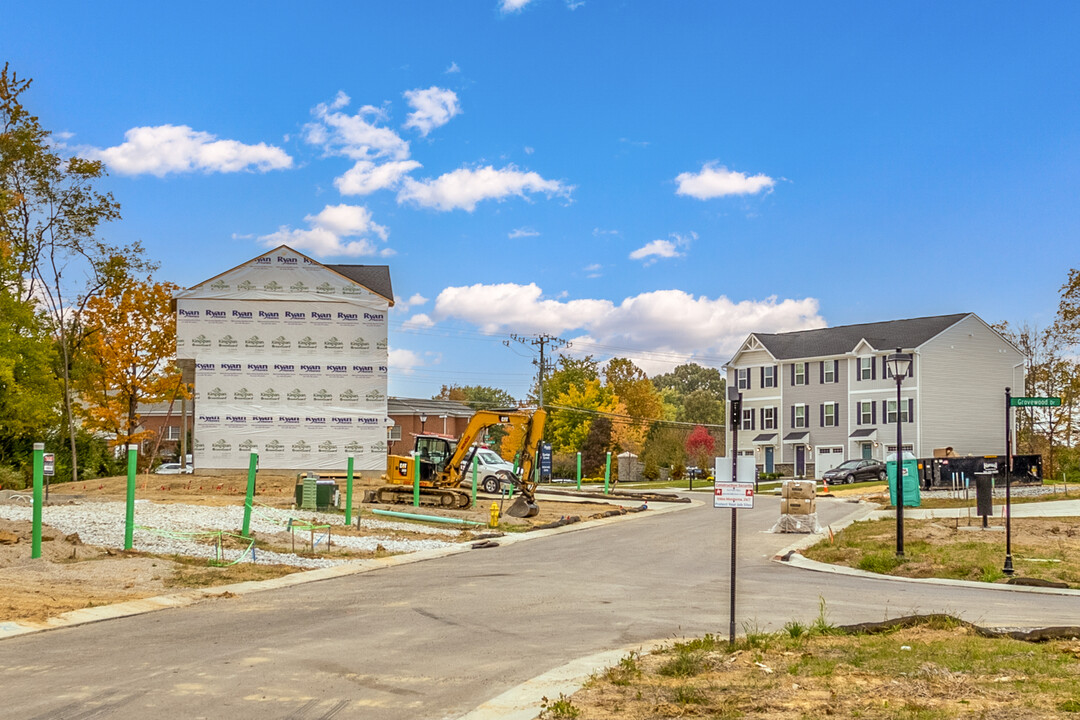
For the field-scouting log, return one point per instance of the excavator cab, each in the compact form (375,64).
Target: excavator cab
(432,453)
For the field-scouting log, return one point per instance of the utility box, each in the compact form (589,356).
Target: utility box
(910,474)
(325,495)
(984,494)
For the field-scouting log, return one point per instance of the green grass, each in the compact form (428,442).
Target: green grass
(941,550)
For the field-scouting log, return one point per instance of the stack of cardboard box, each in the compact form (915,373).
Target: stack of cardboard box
(799,497)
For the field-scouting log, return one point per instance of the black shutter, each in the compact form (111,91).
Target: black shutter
(873,413)
(792,416)
(822,415)
(753,419)
(858,413)
(858,369)
(822,380)
(910,410)
(873,369)
(762,376)
(911,366)
(836,371)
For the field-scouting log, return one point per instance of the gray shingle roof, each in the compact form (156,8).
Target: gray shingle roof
(843,339)
(426,406)
(375,278)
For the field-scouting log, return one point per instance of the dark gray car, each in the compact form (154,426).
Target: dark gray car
(855,471)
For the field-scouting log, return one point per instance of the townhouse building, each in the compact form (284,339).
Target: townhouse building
(815,398)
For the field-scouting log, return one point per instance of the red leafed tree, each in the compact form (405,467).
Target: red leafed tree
(699,446)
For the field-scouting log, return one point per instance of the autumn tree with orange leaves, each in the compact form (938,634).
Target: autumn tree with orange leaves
(128,356)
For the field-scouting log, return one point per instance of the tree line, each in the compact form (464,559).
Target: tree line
(671,421)
(85,331)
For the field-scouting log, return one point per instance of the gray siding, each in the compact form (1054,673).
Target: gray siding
(965,372)
(813,395)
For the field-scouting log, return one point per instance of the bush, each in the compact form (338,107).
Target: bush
(12,479)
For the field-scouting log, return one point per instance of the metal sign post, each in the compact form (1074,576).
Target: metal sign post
(736,414)
(1008,569)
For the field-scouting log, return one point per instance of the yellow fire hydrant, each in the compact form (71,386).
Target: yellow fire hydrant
(494,521)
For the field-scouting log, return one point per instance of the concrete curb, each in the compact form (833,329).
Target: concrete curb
(869,512)
(190,597)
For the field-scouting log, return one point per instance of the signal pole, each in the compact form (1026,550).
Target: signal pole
(541,341)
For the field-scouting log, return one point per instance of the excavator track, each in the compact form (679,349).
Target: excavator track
(429,497)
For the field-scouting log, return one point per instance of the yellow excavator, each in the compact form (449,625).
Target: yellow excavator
(445,463)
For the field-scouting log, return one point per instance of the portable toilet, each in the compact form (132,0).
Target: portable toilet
(910,473)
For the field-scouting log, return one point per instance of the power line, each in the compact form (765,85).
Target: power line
(635,419)
(540,341)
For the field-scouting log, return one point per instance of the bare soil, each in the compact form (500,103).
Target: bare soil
(71,575)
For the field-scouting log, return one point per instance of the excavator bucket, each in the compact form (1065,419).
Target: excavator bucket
(523,508)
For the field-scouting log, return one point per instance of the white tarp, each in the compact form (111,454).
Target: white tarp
(290,362)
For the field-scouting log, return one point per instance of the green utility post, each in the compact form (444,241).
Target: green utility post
(39,477)
(607,473)
(579,471)
(129,524)
(416,482)
(253,467)
(475,470)
(348,492)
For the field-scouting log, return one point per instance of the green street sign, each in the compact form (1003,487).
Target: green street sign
(1035,402)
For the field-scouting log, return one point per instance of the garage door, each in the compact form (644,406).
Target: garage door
(827,458)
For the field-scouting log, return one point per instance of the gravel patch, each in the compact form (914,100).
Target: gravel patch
(999,491)
(102,524)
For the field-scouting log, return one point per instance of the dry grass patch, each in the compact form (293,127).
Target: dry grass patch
(932,672)
(1043,548)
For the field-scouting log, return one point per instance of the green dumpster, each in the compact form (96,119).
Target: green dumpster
(911,479)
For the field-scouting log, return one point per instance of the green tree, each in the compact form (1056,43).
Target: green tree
(687,378)
(696,392)
(29,391)
(701,407)
(595,447)
(50,218)
(478,397)
(566,429)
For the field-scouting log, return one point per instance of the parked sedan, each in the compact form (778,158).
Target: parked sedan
(855,471)
(172,469)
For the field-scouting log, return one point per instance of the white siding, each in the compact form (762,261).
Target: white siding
(962,378)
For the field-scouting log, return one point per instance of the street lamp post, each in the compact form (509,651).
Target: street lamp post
(899,363)
(423,421)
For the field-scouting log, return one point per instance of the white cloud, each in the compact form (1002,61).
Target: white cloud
(671,322)
(509,6)
(522,232)
(432,108)
(464,187)
(529,150)
(365,177)
(453,68)
(243,236)
(404,361)
(717,181)
(356,136)
(598,232)
(402,304)
(419,320)
(329,233)
(593,271)
(165,149)
(657,249)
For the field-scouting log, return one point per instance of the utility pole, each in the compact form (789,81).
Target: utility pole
(542,342)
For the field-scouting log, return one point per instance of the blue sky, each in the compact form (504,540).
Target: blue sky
(652,179)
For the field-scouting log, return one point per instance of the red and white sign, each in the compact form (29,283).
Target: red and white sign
(733,495)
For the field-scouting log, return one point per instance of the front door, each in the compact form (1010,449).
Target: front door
(768,458)
(800,461)
(868,450)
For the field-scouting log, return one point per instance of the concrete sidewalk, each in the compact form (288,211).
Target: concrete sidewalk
(1054,508)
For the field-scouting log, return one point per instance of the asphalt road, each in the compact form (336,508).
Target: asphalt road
(437,638)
